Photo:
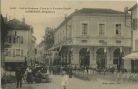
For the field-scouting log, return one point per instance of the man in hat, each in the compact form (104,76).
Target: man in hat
(19,75)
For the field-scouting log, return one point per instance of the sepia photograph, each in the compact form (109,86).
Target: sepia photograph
(69,44)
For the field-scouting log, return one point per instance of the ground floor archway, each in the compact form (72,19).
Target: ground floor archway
(84,57)
(101,58)
(117,58)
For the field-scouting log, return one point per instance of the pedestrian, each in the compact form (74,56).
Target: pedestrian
(29,75)
(3,78)
(65,80)
(87,69)
(19,75)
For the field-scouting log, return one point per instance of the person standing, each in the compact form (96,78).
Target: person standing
(19,75)
(65,80)
(87,69)
(29,75)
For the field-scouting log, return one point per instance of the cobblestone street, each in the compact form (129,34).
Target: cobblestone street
(75,83)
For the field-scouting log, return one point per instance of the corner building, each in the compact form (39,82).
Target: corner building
(18,43)
(94,37)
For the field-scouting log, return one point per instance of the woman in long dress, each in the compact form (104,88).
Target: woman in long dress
(65,80)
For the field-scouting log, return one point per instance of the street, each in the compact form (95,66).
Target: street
(94,42)
(75,83)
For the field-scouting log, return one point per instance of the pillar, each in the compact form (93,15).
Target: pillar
(93,57)
(75,56)
(127,63)
(109,58)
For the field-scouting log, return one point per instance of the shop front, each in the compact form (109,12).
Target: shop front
(12,62)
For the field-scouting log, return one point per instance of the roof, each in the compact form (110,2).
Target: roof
(91,11)
(41,43)
(134,6)
(16,24)
(98,10)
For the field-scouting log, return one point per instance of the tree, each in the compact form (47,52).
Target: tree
(3,29)
(49,38)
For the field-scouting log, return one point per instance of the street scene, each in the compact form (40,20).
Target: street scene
(72,44)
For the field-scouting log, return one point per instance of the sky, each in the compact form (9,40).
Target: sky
(42,19)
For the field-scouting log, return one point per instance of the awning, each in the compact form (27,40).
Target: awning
(14,59)
(132,56)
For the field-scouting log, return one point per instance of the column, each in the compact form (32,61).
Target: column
(127,63)
(92,57)
(109,58)
(75,56)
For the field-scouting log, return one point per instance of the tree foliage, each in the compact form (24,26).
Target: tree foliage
(3,30)
(49,38)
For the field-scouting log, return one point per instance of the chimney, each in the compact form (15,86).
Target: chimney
(126,9)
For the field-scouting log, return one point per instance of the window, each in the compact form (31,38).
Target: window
(21,39)
(7,52)
(103,42)
(17,52)
(118,29)
(101,29)
(22,52)
(13,52)
(84,41)
(14,39)
(18,39)
(84,29)
(63,36)
(15,33)
(9,39)
(136,45)
(118,41)
(135,24)
(69,26)
(69,31)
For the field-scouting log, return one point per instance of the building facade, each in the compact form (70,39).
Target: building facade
(94,37)
(40,57)
(18,41)
(3,33)
(134,23)
(32,55)
(131,61)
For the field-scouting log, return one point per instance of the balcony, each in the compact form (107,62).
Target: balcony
(97,41)
(7,44)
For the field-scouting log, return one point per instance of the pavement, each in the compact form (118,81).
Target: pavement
(13,86)
(76,83)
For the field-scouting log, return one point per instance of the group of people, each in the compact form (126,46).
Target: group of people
(27,73)
(20,75)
